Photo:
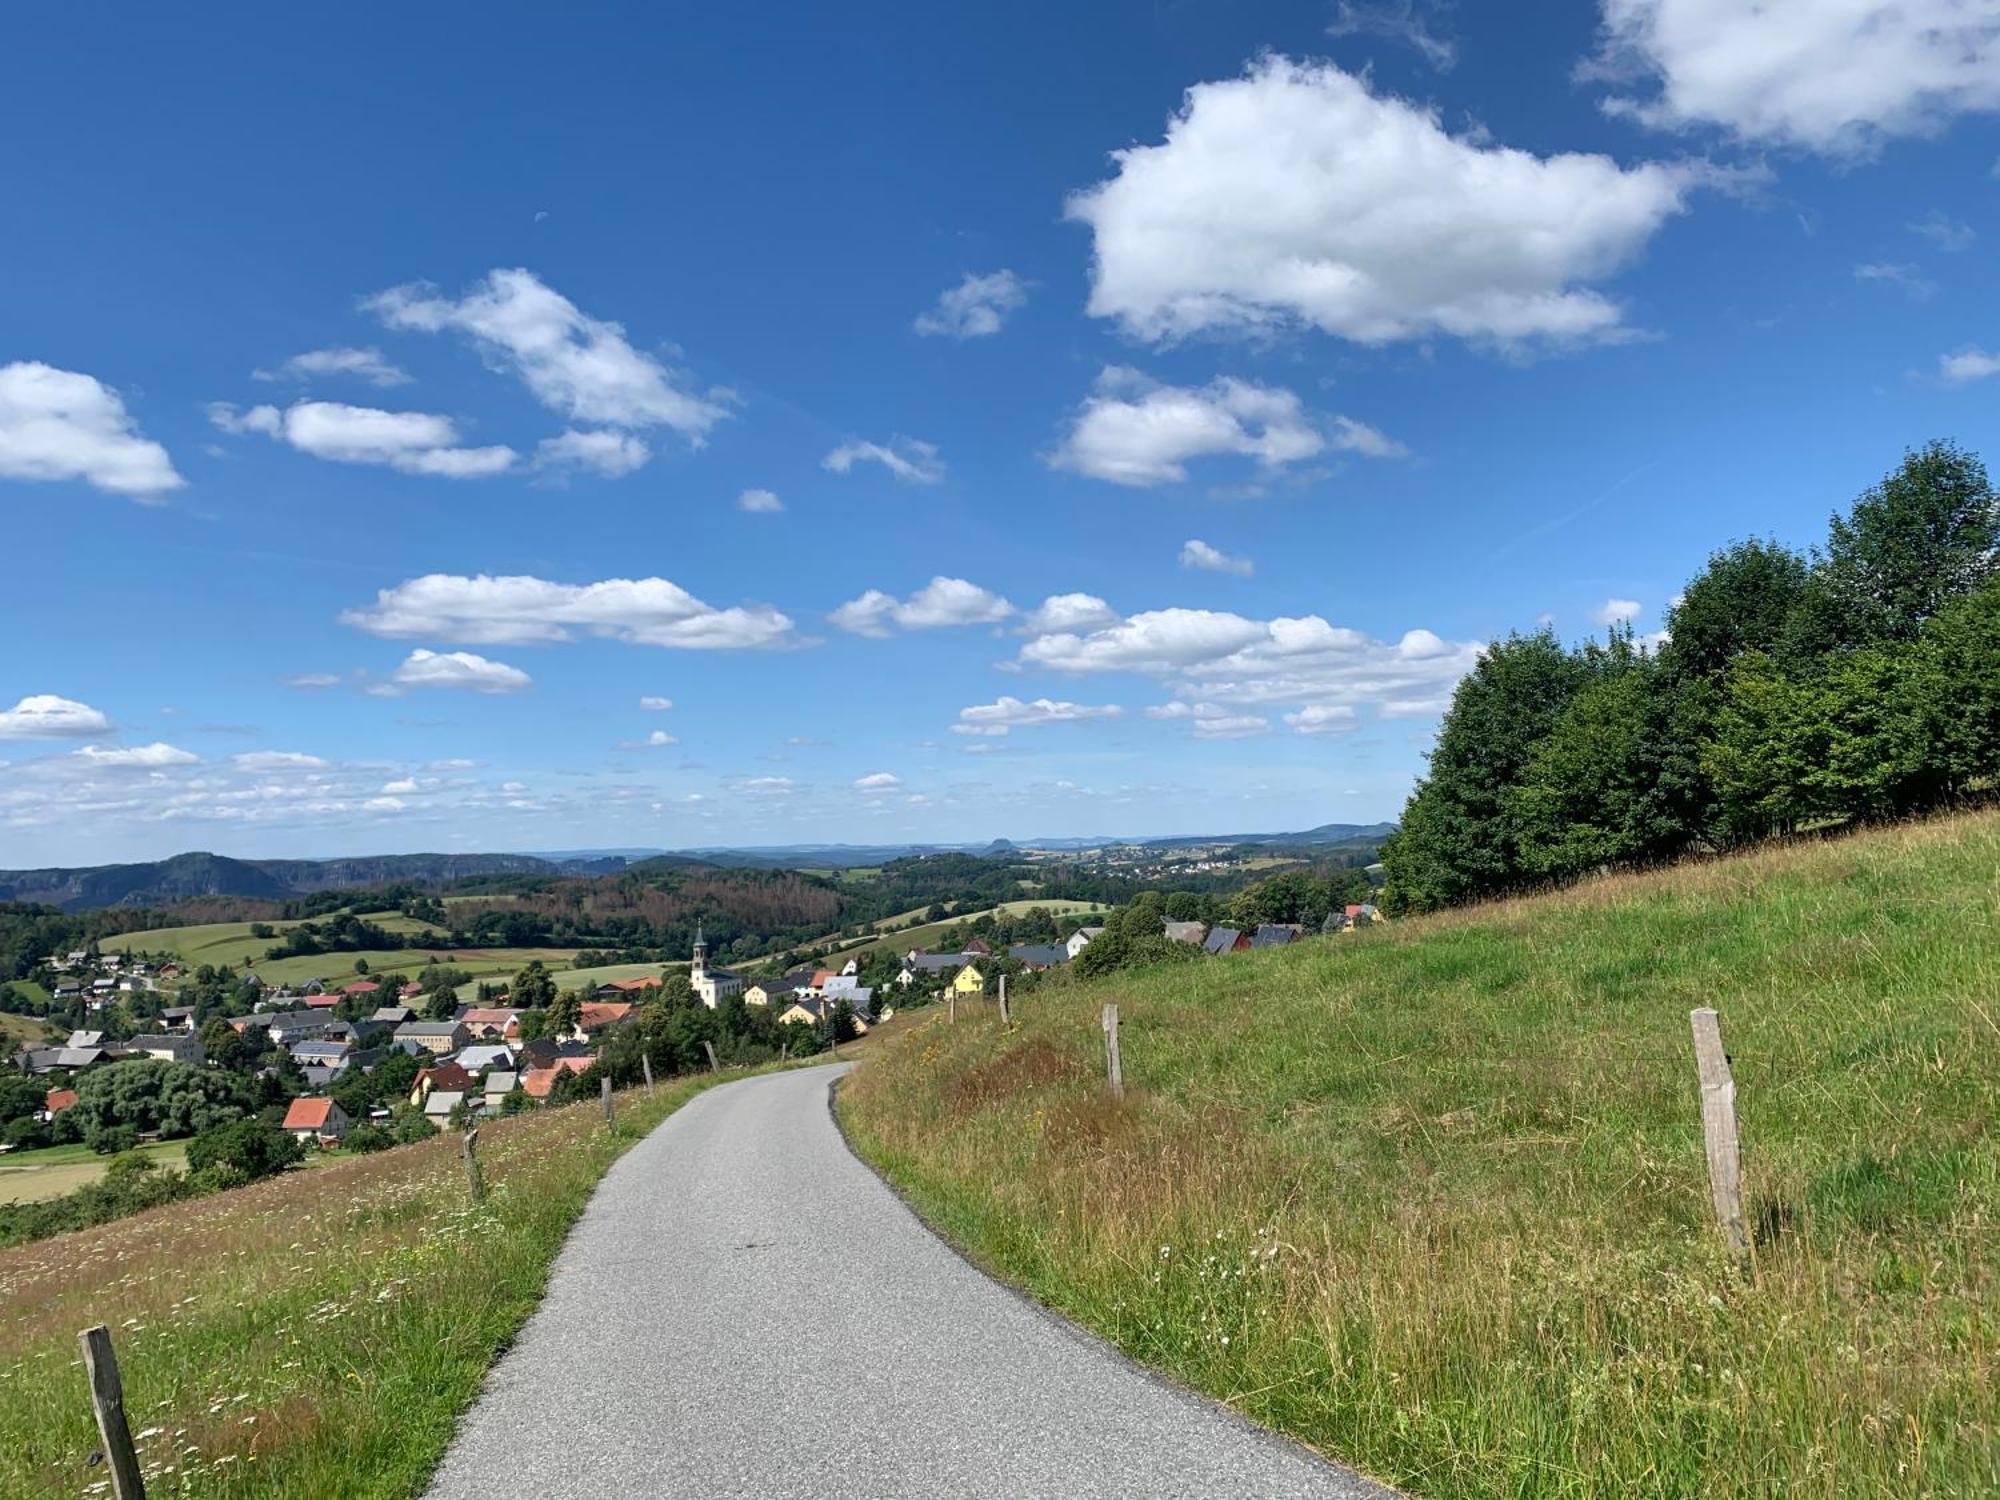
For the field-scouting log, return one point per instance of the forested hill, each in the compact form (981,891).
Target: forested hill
(190,877)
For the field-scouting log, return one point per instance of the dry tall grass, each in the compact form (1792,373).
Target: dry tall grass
(1432,1197)
(313,1335)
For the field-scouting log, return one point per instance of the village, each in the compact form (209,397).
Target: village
(342,1062)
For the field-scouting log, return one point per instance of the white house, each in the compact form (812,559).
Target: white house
(1080,940)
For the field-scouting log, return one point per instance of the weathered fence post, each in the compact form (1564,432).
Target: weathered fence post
(610,1121)
(1113,1069)
(475,1180)
(1005,1018)
(646,1067)
(107,1394)
(709,1048)
(1718,1129)
(951,1006)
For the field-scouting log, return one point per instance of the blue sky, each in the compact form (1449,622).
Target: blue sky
(381,389)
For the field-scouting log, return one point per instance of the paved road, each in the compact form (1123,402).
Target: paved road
(745,1309)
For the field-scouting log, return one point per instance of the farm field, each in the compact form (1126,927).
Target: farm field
(31,1176)
(225,944)
(1432,1198)
(902,939)
(480,963)
(582,979)
(230,944)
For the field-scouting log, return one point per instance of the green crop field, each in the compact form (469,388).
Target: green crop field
(1432,1197)
(480,963)
(30,1176)
(229,945)
(583,979)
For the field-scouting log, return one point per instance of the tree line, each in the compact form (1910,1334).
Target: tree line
(1793,691)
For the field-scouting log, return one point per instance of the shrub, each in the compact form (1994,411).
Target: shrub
(366,1138)
(248,1146)
(109,1140)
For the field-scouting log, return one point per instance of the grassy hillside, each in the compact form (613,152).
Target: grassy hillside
(312,1336)
(17,1032)
(230,945)
(907,931)
(1432,1197)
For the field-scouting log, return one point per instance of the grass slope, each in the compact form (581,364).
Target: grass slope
(229,945)
(313,1336)
(17,1032)
(1432,1198)
(901,939)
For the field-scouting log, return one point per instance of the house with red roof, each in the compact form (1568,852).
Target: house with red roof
(537,1082)
(596,1015)
(501,1021)
(360,987)
(316,1122)
(57,1101)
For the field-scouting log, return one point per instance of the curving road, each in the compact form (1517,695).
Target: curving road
(745,1309)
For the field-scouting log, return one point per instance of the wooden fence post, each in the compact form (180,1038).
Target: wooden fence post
(610,1121)
(951,1006)
(1005,1018)
(1718,1129)
(107,1395)
(475,1180)
(646,1066)
(1112,1067)
(709,1048)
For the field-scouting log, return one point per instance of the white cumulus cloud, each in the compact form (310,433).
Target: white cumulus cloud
(1617,611)
(1007,713)
(44,716)
(277,760)
(879,781)
(611,454)
(458,669)
(1196,553)
(492,611)
(760,502)
(412,442)
(654,705)
(1968,365)
(910,459)
(1217,658)
(1135,431)
(148,757)
(1835,76)
(976,307)
(939,603)
(1296,196)
(574,364)
(363,364)
(59,424)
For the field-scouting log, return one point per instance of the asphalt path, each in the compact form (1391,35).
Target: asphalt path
(746,1310)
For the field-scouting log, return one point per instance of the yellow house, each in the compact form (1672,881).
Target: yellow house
(968,981)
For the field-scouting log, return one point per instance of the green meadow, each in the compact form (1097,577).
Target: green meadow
(1432,1197)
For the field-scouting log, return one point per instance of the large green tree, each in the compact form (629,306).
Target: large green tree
(1459,836)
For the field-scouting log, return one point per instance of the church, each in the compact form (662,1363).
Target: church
(711,986)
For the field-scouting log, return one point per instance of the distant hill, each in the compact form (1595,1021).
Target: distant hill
(202,876)
(191,877)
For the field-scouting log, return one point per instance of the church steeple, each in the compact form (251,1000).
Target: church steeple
(699,967)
